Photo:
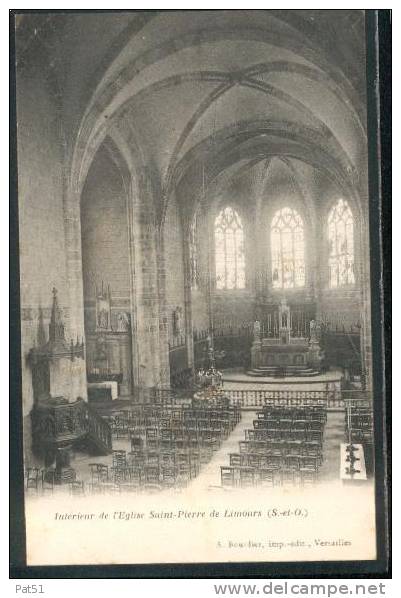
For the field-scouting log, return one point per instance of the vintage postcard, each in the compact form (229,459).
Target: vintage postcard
(197,359)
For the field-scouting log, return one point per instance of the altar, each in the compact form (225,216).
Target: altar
(286,355)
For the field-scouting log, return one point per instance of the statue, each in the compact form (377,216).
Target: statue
(314,328)
(103,308)
(256,330)
(103,319)
(209,342)
(123,322)
(284,312)
(284,322)
(177,321)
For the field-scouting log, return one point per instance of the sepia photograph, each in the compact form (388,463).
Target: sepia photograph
(200,380)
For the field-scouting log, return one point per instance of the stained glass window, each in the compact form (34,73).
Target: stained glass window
(193,254)
(341,245)
(229,250)
(288,249)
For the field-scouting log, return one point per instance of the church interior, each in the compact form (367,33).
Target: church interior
(194,250)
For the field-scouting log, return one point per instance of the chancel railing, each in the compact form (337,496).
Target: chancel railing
(332,399)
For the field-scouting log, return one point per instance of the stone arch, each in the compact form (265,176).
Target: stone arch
(144,248)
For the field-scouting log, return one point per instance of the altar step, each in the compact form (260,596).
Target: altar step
(274,371)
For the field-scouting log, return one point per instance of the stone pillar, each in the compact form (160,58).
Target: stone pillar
(320,265)
(149,323)
(189,338)
(256,349)
(72,231)
(260,250)
(72,227)
(149,326)
(366,332)
(164,359)
(363,272)
(134,286)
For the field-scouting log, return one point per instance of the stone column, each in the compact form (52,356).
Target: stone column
(164,360)
(366,332)
(134,285)
(189,338)
(73,245)
(152,333)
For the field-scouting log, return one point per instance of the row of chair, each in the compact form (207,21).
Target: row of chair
(146,476)
(285,435)
(281,449)
(359,424)
(140,418)
(293,413)
(144,469)
(168,445)
(284,446)
(45,480)
(243,477)
(287,424)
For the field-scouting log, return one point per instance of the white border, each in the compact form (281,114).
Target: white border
(162,587)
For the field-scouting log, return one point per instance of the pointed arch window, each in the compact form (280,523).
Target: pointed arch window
(341,245)
(229,250)
(193,253)
(287,249)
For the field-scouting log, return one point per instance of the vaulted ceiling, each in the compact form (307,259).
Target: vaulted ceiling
(210,91)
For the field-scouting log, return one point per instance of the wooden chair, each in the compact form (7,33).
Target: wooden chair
(66,476)
(227,477)
(99,473)
(77,488)
(235,459)
(194,463)
(179,438)
(167,457)
(136,441)
(168,476)
(33,477)
(152,479)
(111,488)
(132,479)
(314,436)
(120,425)
(309,463)
(152,459)
(299,425)
(152,438)
(274,462)
(247,477)
(267,477)
(184,474)
(308,477)
(315,425)
(166,439)
(48,480)
(254,461)
(135,458)
(119,458)
(313,450)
